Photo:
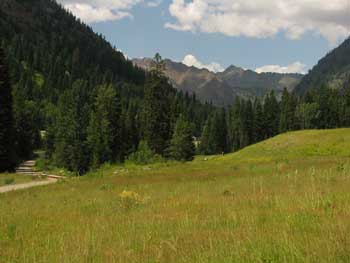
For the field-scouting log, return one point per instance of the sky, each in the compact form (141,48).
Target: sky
(285,36)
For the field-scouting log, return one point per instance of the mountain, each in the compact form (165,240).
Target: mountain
(43,34)
(221,88)
(333,70)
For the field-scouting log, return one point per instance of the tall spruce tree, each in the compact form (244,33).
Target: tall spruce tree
(71,148)
(247,124)
(157,110)
(205,147)
(7,140)
(104,130)
(235,126)
(182,147)
(272,115)
(214,138)
(287,116)
(258,130)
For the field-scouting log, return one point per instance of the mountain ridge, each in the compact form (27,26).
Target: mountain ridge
(222,87)
(333,70)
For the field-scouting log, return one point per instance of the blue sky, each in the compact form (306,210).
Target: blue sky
(269,35)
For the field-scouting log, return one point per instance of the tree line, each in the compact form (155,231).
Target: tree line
(86,129)
(250,121)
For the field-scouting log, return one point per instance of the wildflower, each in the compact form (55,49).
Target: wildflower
(130,199)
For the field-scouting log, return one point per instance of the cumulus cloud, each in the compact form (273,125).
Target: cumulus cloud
(94,11)
(90,14)
(263,18)
(154,3)
(296,67)
(190,60)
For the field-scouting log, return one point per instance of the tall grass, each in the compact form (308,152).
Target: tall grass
(267,203)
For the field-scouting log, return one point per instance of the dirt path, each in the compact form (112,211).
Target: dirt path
(10,188)
(27,168)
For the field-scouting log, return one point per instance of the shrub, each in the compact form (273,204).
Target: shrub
(130,199)
(8,181)
(144,155)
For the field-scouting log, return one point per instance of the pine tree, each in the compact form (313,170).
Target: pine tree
(346,114)
(258,130)
(104,130)
(26,124)
(205,147)
(307,115)
(214,137)
(157,112)
(272,115)
(182,147)
(236,124)
(71,148)
(7,140)
(247,124)
(130,129)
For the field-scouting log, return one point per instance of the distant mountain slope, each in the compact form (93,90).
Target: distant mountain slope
(52,41)
(333,70)
(221,88)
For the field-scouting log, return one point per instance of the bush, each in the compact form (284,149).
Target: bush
(8,181)
(41,164)
(144,155)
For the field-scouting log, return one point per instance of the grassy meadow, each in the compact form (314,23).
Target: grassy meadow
(283,200)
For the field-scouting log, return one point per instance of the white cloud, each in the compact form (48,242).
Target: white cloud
(94,11)
(263,18)
(90,14)
(154,3)
(296,67)
(190,60)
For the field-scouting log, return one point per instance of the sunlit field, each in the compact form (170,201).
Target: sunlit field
(283,200)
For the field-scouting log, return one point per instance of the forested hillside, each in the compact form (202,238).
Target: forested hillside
(70,84)
(332,71)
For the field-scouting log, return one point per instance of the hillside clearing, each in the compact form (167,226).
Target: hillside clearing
(283,200)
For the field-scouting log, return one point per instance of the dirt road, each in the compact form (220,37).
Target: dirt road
(10,188)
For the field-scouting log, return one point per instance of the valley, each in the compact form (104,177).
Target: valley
(104,158)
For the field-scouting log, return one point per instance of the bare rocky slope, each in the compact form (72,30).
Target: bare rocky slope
(221,88)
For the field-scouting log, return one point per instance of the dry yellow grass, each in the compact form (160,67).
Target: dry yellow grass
(283,200)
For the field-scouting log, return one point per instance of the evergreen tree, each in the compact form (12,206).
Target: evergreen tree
(104,129)
(272,115)
(130,130)
(157,111)
(182,147)
(287,117)
(26,124)
(247,124)
(307,115)
(346,106)
(71,148)
(236,123)
(7,140)
(258,129)
(214,138)
(205,147)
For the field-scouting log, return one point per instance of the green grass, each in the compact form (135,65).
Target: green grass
(283,200)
